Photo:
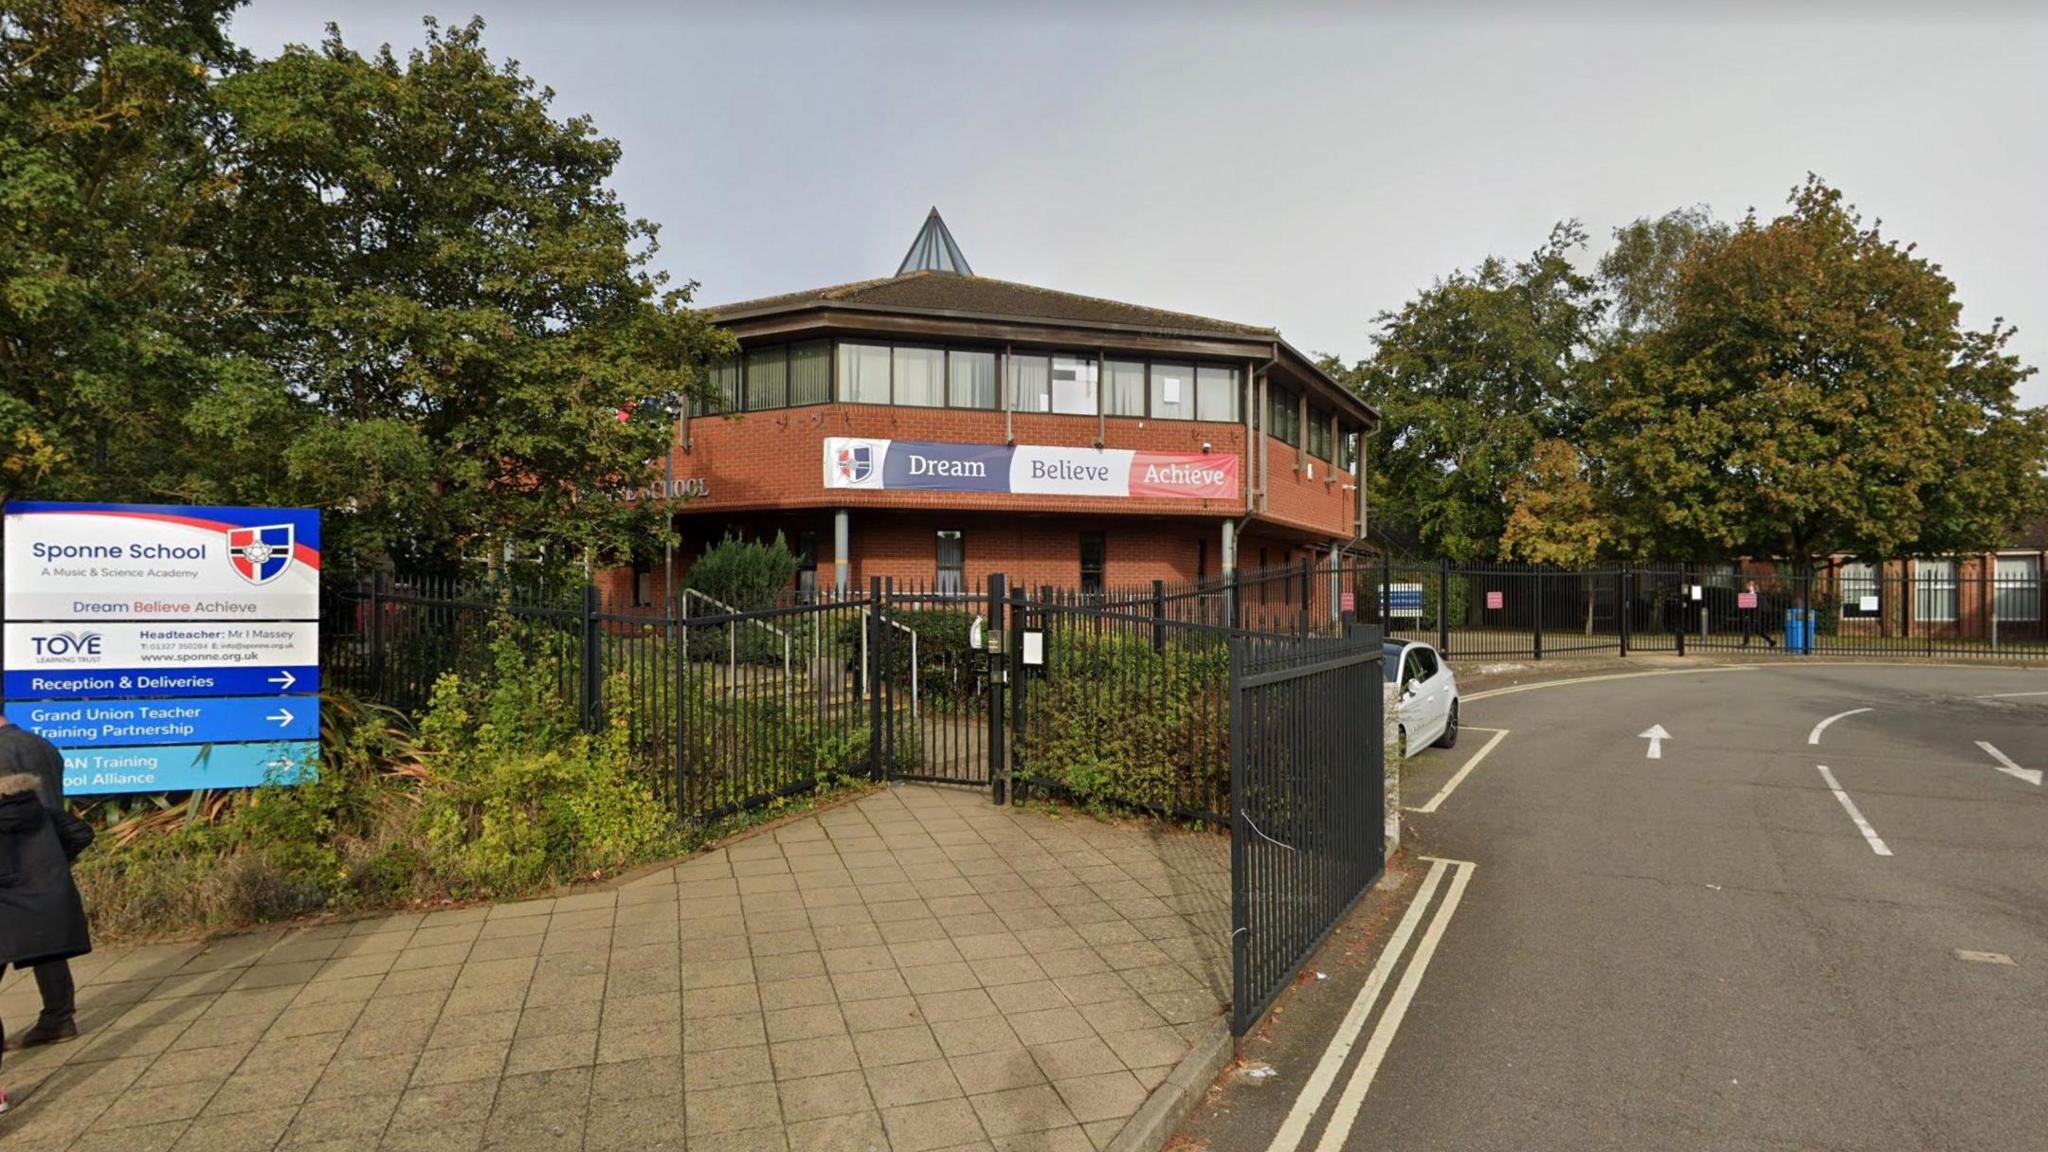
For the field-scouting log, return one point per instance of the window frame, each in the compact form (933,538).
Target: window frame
(1319,419)
(1274,393)
(1926,591)
(945,380)
(2026,585)
(1872,578)
(1101,568)
(940,568)
(996,378)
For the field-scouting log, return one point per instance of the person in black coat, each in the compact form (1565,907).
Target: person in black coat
(42,918)
(24,751)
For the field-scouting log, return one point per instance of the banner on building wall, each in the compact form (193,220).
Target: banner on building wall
(1028,470)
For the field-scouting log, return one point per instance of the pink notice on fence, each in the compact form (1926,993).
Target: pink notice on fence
(1496,599)
(1348,602)
(1745,599)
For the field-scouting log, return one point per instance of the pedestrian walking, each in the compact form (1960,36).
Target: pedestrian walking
(42,919)
(1755,621)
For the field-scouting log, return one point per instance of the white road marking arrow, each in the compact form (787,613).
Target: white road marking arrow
(283,717)
(2005,765)
(1656,736)
(284,678)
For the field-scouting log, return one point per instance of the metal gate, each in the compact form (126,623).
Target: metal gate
(937,688)
(1307,793)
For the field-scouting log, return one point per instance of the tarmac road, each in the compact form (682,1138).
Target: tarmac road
(1705,950)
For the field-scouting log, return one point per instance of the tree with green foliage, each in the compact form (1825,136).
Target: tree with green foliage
(1556,516)
(106,182)
(1812,392)
(396,288)
(457,309)
(1470,377)
(1639,274)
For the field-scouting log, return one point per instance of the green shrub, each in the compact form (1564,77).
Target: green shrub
(746,574)
(947,676)
(1116,722)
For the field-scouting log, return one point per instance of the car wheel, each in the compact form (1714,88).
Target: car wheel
(1450,737)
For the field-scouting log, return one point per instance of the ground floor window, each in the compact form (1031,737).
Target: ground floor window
(1859,590)
(2017,597)
(952,564)
(1094,562)
(643,583)
(807,567)
(1934,591)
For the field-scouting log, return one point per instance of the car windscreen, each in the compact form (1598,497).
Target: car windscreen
(1390,663)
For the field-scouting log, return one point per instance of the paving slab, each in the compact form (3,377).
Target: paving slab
(917,969)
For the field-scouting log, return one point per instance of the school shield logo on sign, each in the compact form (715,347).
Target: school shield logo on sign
(856,463)
(260,555)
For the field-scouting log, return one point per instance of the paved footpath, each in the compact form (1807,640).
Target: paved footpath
(915,970)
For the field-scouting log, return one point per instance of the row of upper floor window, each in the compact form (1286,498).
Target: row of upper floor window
(1058,383)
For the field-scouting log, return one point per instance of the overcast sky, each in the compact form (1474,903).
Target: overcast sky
(1307,169)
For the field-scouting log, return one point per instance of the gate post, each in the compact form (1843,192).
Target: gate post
(1539,614)
(1624,602)
(998,689)
(878,639)
(1240,896)
(1306,584)
(1159,615)
(593,678)
(1018,600)
(679,655)
(377,636)
(1386,589)
(1443,605)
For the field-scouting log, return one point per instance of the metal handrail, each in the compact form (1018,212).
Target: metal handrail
(732,635)
(866,666)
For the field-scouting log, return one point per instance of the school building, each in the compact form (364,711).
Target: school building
(935,427)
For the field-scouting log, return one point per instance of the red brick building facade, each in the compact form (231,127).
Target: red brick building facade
(939,361)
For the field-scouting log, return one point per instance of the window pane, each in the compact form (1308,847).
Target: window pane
(864,373)
(1283,416)
(1347,449)
(1094,560)
(1216,393)
(1859,590)
(1030,384)
(810,373)
(2018,592)
(1173,391)
(972,380)
(1123,390)
(1934,590)
(1073,385)
(921,377)
(952,564)
(1318,432)
(725,388)
(767,378)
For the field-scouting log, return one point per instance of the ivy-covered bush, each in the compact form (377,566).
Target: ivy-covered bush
(1115,721)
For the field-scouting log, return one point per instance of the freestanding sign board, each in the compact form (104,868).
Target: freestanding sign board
(165,647)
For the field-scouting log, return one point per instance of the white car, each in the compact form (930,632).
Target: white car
(1426,708)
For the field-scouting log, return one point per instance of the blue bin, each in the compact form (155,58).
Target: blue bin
(1799,631)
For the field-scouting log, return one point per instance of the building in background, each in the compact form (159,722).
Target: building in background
(935,427)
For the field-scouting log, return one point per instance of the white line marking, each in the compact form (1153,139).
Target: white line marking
(1451,785)
(1993,696)
(1848,805)
(1813,737)
(1514,688)
(1656,736)
(1295,1127)
(1985,957)
(1346,1113)
(2005,765)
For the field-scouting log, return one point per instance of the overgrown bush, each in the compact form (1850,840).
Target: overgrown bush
(946,672)
(748,576)
(1117,722)
(497,791)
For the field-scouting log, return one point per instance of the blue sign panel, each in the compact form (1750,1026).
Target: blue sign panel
(185,767)
(112,683)
(113,723)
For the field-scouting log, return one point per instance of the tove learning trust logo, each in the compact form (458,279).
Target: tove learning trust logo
(75,646)
(260,555)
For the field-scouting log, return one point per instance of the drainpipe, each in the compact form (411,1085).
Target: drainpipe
(841,564)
